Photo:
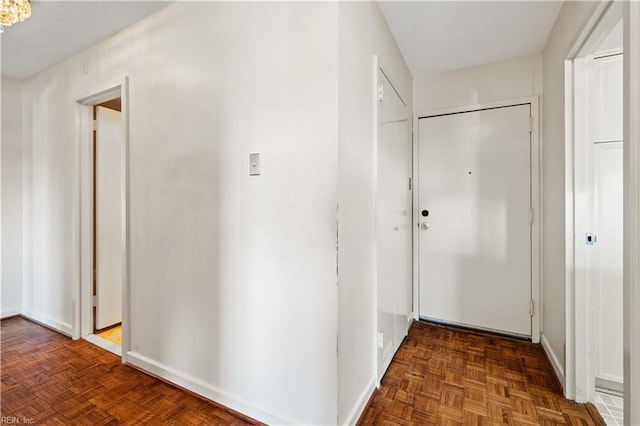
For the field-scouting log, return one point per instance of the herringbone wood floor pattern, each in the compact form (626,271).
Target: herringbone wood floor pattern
(448,376)
(52,380)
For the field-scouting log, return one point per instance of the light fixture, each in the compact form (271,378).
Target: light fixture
(13,11)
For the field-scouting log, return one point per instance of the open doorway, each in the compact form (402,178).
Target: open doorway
(107,221)
(605,257)
(102,313)
(595,340)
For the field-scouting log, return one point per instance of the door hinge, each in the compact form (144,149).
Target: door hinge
(531,308)
(380,92)
(380,340)
(530,124)
(95,125)
(530,216)
(410,184)
(94,301)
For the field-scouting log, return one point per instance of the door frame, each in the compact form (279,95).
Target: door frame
(83,305)
(579,379)
(536,201)
(631,176)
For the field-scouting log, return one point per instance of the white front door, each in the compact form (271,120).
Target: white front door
(474,216)
(108,218)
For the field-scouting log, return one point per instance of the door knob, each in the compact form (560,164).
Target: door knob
(424,225)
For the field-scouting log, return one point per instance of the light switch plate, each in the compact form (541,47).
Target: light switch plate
(254,164)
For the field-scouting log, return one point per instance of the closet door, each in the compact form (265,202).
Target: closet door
(393,222)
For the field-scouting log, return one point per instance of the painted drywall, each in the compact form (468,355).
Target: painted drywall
(571,20)
(11,196)
(233,277)
(363,32)
(498,81)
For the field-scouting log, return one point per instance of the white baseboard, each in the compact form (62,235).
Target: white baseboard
(58,326)
(9,313)
(555,362)
(361,403)
(209,391)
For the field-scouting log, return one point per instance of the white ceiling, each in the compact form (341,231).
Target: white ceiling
(438,36)
(59,29)
(433,36)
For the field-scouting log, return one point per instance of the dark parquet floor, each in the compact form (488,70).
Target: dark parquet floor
(440,375)
(448,376)
(50,379)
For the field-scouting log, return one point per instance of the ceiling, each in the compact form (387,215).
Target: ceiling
(438,36)
(59,29)
(433,36)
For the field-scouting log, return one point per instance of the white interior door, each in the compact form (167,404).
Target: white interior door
(474,212)
(393,222)
(108,218)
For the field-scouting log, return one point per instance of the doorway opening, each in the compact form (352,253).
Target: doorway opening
(595,342)
(107,244)
(103,144)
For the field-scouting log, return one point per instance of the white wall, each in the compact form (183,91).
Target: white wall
(233,278)
(11,196)
(363,32)
(497,81)
(571,20)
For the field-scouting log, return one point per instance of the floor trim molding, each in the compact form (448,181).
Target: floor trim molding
(361,404)
(553,360)
(8,313)
(57,326)
(206,390)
